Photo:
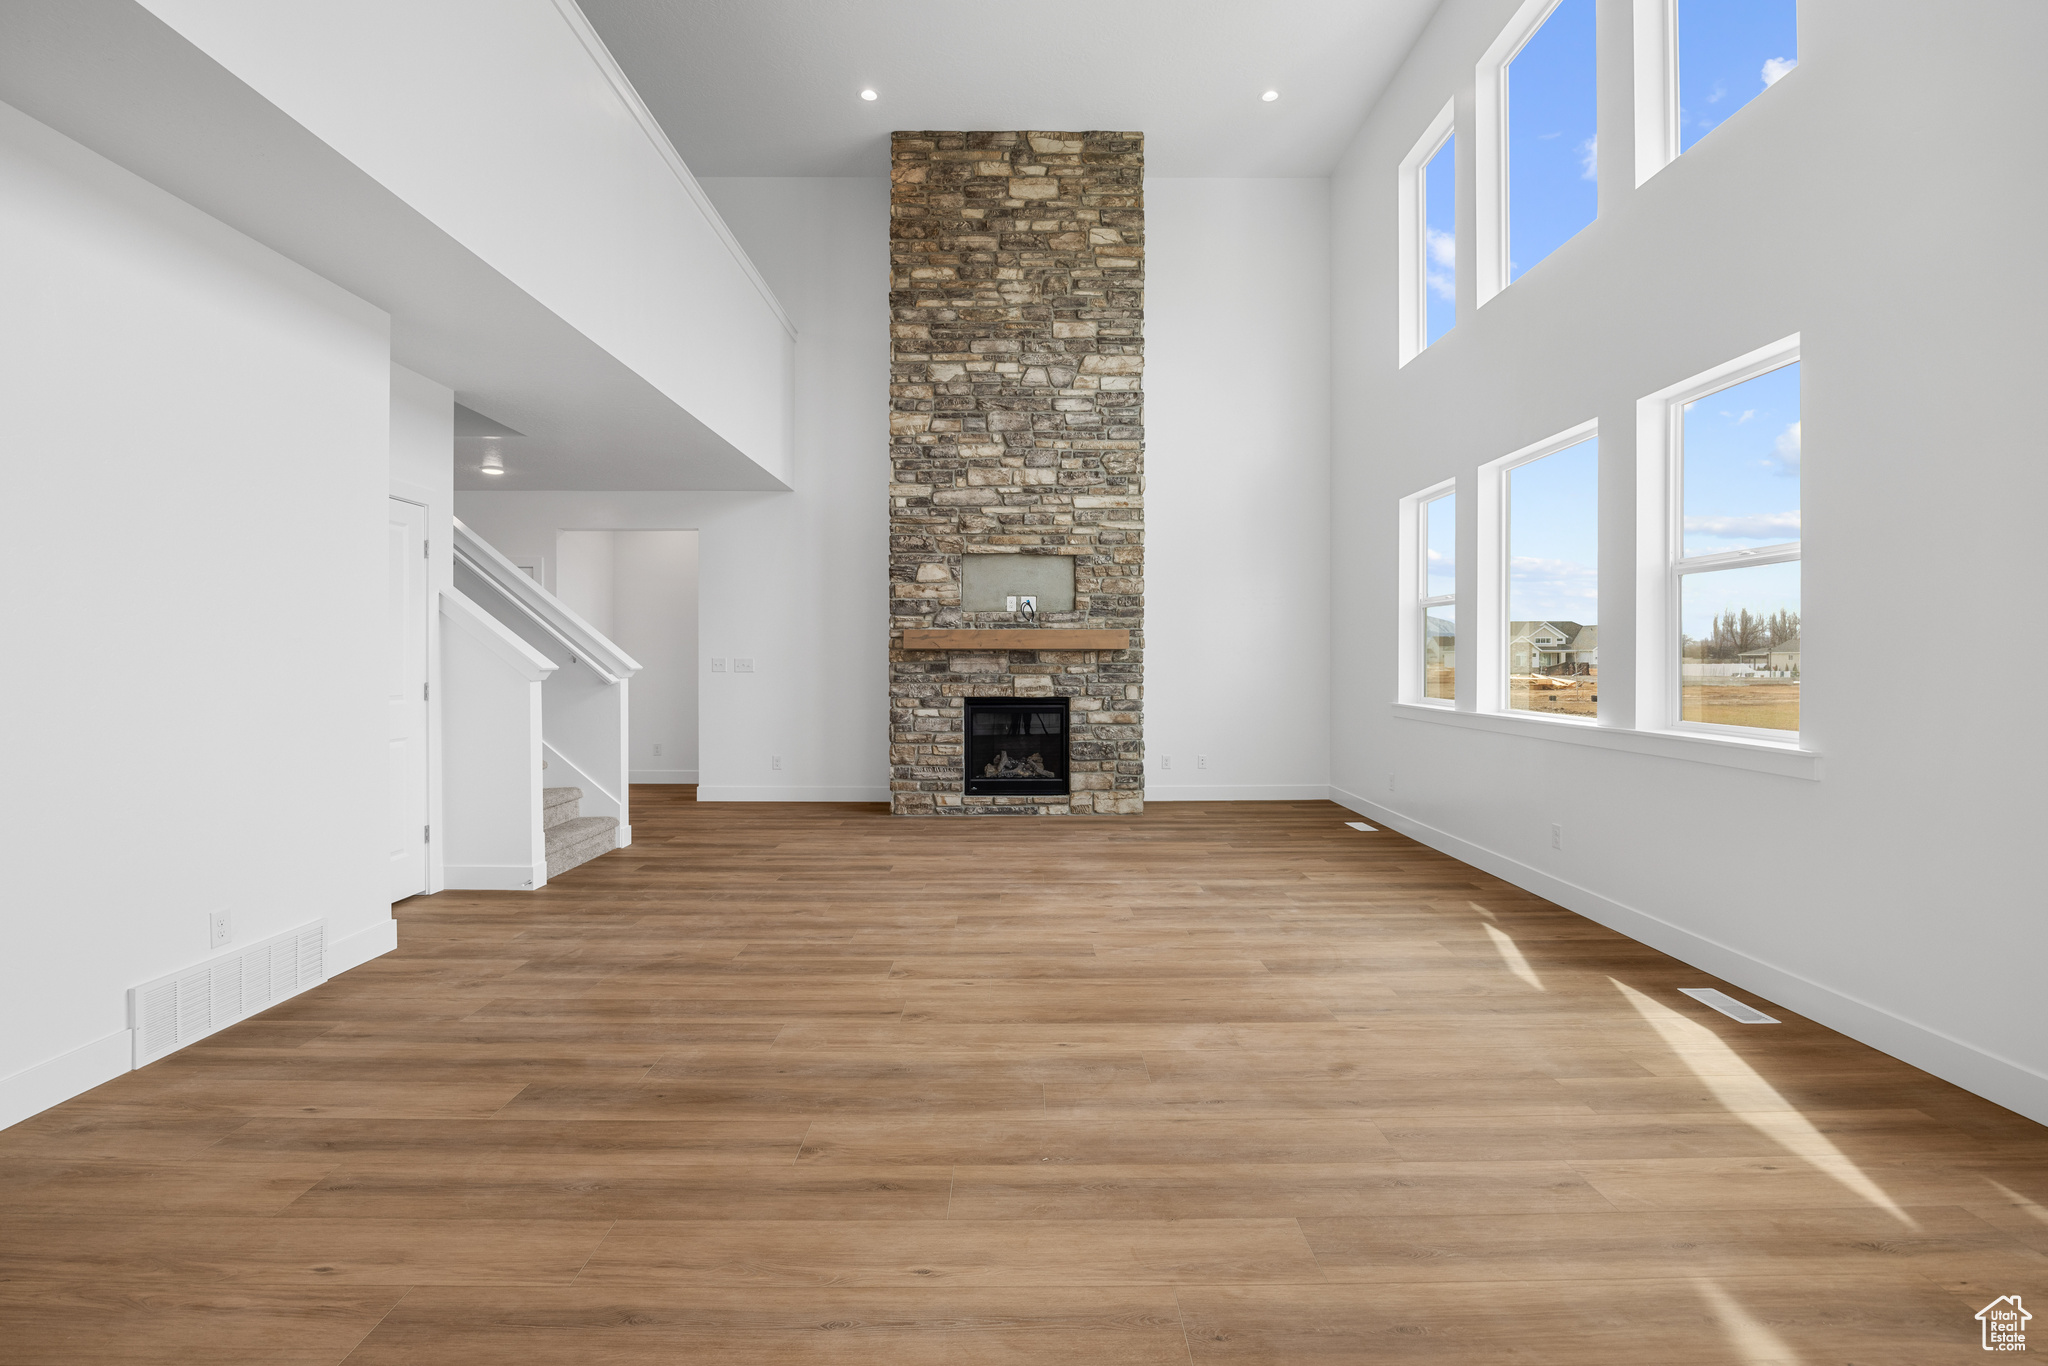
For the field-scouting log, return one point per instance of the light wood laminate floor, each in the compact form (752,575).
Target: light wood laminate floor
(1224,1083)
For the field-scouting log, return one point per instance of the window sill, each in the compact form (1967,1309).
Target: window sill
(1758,756)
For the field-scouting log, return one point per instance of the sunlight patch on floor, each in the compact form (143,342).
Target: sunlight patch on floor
(2019,1202)
(1512,956)
(1737,1085)
(1752,1341)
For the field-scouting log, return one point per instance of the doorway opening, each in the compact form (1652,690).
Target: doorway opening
(639,588)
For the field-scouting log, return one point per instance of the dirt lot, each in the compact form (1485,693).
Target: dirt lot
(1770,703)
(1554,696)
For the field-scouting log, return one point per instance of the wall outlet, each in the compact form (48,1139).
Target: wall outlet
(775,762)
(1012,601)
(1201,761)
(1390,782)
(718,664)
(657,751)
(1166,763)
(742,666)
(218,931)
(1557,837)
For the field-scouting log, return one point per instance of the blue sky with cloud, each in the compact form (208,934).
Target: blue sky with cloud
(1729,52)
(1440,219)
(1553,126)
(1554,537)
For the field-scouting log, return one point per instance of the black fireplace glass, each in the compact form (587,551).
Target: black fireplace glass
(1016,745)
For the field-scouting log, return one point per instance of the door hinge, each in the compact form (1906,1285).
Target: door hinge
(426,550)
(424,697)
(426,834)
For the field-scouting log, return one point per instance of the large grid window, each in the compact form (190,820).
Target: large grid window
(1735,571)
(1437,577)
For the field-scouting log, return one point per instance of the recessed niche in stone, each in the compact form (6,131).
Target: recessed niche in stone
(988,582)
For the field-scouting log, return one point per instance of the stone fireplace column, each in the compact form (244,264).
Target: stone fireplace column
(1017,295)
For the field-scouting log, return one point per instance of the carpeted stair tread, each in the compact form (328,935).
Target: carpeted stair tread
(580,840)
(559,804)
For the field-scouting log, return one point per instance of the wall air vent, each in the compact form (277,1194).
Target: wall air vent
(173,1011)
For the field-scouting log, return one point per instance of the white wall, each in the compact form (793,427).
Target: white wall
(1894,898)
(196,440)
(654,611)
(582,568)
(1237,461)
(781,574)
(504,123)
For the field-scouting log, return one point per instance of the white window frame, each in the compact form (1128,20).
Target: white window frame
(1413,586)
(1413,201)
(1661,562)
(1490,147)
(1495,526)
(1656,86)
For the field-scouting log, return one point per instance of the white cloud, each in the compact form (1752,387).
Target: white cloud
(1440,563)
(1589,158)
(1443,284)
(1777,68)
(1720,93)
(1784,457)
(1761,526)
(1745,415)
(1443,249)
(1553,588)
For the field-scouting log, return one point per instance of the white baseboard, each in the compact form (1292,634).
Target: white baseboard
(1225,792)
(2009,1083)
(662,775)
(494,877)
(360,947)
(35,1090)
(877,793)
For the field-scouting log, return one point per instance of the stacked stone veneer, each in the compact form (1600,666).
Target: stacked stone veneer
(1016,296)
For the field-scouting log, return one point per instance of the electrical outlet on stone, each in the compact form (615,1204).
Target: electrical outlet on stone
(218,930)
(1557,837)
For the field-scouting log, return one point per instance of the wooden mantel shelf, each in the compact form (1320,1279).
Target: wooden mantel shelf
(998,638)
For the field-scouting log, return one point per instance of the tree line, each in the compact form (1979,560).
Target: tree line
(1735,633)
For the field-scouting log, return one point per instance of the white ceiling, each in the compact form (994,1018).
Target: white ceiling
(772,87)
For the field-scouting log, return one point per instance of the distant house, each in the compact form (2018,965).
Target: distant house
(1543,646)
(1439,642)
(1785,656)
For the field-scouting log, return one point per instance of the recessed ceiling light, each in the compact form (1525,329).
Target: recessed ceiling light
(869,95)
(1270,96)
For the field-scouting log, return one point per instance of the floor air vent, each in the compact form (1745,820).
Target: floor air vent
(173,1011)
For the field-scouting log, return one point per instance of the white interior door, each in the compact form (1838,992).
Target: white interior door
(406,696)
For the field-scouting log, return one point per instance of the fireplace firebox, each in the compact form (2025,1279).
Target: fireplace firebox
(1016,746)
